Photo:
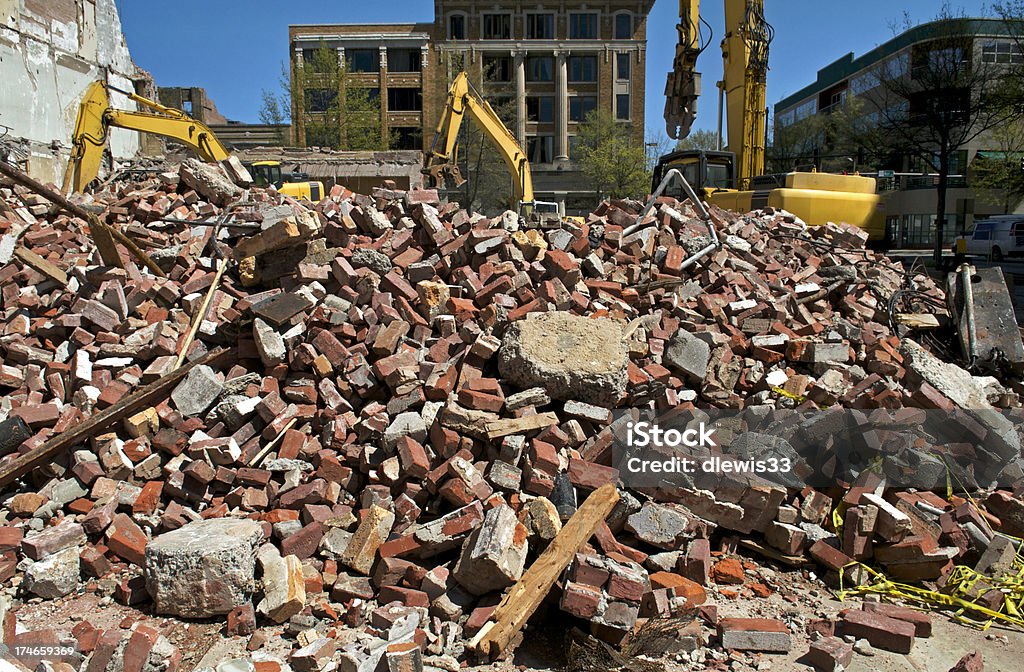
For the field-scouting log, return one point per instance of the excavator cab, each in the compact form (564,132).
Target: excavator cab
(706,171)
(296,185)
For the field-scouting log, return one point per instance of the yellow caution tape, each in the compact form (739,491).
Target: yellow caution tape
(963,590)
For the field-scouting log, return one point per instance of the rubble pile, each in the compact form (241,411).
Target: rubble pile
(411,402)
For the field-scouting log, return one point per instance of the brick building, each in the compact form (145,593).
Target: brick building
(556,60)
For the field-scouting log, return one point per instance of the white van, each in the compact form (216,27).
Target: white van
(995,237)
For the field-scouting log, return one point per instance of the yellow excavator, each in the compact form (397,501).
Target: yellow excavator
(735,179)
(96,117)
(440,164)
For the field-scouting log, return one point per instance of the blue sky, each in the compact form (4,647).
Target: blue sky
(234,48)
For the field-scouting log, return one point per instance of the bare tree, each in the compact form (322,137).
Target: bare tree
(935,98)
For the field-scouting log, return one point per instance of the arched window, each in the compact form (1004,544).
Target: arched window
(624,25)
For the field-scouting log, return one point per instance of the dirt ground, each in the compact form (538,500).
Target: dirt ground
(796,599)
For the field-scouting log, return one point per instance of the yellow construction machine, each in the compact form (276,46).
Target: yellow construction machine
(735,179)
(441,162)
(96,117)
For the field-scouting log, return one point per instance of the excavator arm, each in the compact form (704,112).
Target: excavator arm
(96,117)
(440,162)
(744,82)
(683,87)
(745,50)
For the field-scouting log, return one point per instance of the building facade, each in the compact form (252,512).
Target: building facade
(908,184)
(50,52)
(554,62)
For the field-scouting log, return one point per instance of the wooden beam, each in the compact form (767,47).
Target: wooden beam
(523,599)
(141,398)
(506,426)
(102,233)
(200,315)
(40,264)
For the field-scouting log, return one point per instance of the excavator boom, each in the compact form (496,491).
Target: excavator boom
(440,162)
(96,117)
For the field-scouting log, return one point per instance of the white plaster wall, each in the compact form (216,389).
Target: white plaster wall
(46,65)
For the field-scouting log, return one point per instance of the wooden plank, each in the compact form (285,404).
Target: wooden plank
(918,320)
(42,265)
(141,398)
(507,426)
(200,315)
(523,599)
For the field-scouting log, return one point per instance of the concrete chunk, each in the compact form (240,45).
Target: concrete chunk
(570,357)
(203,569)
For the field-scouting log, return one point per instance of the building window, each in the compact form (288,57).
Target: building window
(1001,52)
(319,60)
(581,106)
(622,107)
(363,60)
(540,109)
(404,60)
(623,26)
(583,26)
(408,137)
(622,62)
(405,100)
(457,27)
(540,26)
(806,109)
(541,148)
(498,68)
(574,147)
(320,100)
(583,68)
(497,27)
(540,69)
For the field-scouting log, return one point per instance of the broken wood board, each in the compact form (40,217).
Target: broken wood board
(918,320)
(42,265)
(505,427)
(527,594)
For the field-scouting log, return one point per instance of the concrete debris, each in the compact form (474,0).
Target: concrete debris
(413,400)
(204,568)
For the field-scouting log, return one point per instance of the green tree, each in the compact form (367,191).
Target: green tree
(333,113)
(998,174)
(611,157)
(701,139)
(929,103)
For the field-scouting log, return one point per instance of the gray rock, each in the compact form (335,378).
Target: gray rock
(269,343)
(203,569)
(689,355)
(661,525)
(494,555)
(197,391)
(209,181)
(408,424)
(376,261)
(54,576)
(571,357)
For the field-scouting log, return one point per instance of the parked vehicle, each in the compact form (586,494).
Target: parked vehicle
(995,237)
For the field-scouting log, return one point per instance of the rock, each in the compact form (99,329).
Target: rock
(54,576)
(209,181)
(269,343)
(494,555)
(197,391)
(660,525)
(284,588)
(571,357)
(205,568)
(689,355)
(972,662)
(377,262)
